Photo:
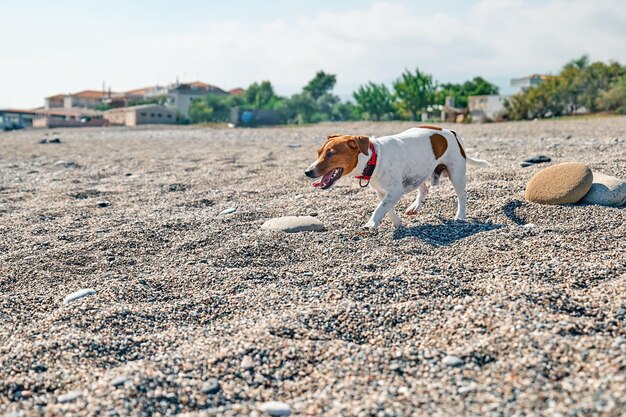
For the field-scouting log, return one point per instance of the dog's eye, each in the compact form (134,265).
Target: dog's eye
(329,153)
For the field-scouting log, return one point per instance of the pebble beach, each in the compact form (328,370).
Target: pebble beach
(136,279)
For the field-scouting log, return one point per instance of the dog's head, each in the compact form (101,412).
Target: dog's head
(338,156)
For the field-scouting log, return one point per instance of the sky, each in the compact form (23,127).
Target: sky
(63,46)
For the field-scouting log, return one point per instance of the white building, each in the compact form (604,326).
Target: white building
(180,96)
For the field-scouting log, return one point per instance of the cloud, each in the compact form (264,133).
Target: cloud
(497,39)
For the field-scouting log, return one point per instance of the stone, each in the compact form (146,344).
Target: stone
(120,380)
(606,191)
(294,145)
(565,183)
(246,363)
(537,159)
(70,396)
(453,361)
(55,140)
(229,210)
(275,408)
(212,386)
(293,224)
(85,292)
(66,164)
(103,203)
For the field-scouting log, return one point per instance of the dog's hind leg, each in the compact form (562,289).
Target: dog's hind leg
(422,193)
(458,179)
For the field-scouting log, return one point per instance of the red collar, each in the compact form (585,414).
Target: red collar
(369,168)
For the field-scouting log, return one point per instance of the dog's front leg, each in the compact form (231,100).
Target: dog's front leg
(393,216)
(387,203)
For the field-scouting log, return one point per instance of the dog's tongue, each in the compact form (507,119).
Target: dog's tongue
(317,184)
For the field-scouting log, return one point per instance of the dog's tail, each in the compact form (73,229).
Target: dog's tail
(478,162)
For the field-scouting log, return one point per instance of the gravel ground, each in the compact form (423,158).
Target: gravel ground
(521,310)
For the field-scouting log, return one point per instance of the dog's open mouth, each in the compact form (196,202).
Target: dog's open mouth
(329,179)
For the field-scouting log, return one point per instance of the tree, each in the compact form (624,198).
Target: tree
(259,96)
(212,108)
(374,101)
(477,86)
(321,84)
(415,92)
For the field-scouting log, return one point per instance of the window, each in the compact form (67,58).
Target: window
(160,115)
(143,114)
(151,114)
(169,116)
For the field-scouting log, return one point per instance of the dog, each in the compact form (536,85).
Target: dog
(395,165)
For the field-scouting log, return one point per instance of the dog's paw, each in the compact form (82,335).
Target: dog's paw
(370,226)
(413,209)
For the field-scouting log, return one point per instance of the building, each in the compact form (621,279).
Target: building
(180,96)
(485,108)
(62,117)
(146,93)
(140,115)
(532,80)
(237,91)
(54,102)
(16,119)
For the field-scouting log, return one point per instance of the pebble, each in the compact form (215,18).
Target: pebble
(229,210)
(559,184)
(294,224)
(120,380)
(85,292)
(465,389)
(453,361)
(276,408)
(538,159)
(66,164)
(246,363)
(103,203)
(212,386)
(294,145)
(606,191)
(70,396)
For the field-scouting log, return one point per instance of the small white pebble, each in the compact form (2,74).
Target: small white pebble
(229,210)
(120,380)
(85,292)
(452,360)
(276,408)
(70,396)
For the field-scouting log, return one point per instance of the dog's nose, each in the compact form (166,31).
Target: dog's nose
(310,173)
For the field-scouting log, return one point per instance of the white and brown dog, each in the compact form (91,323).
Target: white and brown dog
(395,165)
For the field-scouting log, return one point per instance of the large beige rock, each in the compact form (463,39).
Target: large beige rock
(606,191)
(559,184)
(292,224)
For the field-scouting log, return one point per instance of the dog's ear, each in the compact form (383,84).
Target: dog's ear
(362,143)
(332,136)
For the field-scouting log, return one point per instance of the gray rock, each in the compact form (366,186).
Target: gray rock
(606,191)
(103,203)
(212,386)
(276,408)
(66,164)
(453,361)
(85,292)
(538,159)
(229,210)
(292,224)
(70,396)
